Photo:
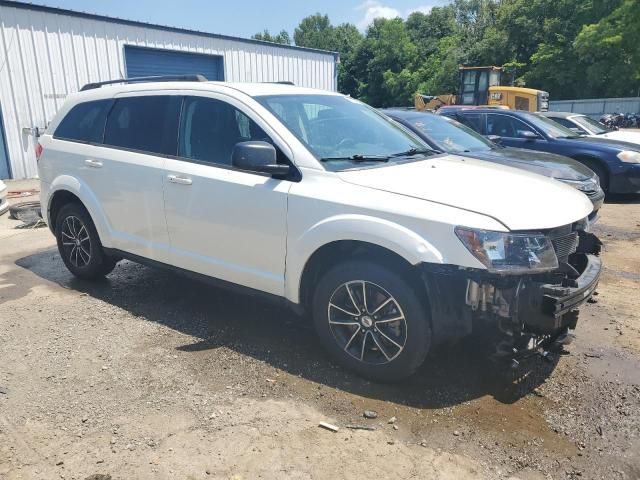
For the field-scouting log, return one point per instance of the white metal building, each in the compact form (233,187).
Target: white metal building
(47,53)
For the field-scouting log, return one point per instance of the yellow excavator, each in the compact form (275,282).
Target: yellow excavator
(482,86)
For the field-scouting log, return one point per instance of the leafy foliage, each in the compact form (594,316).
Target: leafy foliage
(570,48)
(265,36)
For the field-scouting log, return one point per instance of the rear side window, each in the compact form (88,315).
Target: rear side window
(84,122)
(147,124)
(474,121)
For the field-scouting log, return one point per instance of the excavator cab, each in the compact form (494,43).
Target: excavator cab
(482,86)
(475,82)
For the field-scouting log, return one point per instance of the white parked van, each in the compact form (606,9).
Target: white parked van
(315,199)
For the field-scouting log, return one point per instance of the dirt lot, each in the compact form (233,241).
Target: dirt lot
(150,375)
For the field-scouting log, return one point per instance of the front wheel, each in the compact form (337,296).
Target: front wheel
(79,244)
(370,319)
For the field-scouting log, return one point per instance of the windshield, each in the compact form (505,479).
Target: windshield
(591,125)
(449,135)
(549,127)
(342,131)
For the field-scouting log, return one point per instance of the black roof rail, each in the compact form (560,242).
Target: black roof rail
(158,78)
(282,82)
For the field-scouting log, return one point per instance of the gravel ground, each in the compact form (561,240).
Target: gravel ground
(150,375)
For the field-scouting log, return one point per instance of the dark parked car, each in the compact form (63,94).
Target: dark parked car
(447,135)
(616,163)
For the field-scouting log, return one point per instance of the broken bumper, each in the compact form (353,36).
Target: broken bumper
(536,305)
(558,300)
(549,307)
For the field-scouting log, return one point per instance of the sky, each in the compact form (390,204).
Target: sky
(243,18)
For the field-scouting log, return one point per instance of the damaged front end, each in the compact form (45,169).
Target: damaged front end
(517,314)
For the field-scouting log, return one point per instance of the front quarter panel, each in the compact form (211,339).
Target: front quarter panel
(324,209)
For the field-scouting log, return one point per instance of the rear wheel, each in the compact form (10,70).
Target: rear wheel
(371,320)
(79,244)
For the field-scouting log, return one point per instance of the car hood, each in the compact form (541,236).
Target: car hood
(622,135)
(518,199)
(607,142)
(547,164)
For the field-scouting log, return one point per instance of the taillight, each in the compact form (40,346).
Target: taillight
(38,151)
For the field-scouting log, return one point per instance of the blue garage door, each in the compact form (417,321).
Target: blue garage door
(144,62)
(4,158)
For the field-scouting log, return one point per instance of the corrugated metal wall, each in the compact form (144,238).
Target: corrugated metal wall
(596,107)
(44,56)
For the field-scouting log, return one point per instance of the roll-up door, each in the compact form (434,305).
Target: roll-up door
(145,62)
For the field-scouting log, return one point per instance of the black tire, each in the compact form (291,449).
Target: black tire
(79,244)
(344,342)
(25,210)
(600,171)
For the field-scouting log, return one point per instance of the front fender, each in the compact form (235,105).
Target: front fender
(81,190)
(383,233)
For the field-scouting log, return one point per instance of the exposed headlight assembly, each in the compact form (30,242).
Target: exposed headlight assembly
(510,253)
(583,185)
(629,156)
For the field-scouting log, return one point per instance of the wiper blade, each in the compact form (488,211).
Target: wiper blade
(358,157)
(416,151)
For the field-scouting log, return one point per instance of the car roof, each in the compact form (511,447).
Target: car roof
(251,89)
(488,110)
(408,114)
(561,114)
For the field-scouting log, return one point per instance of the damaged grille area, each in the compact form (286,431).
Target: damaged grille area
(565,245)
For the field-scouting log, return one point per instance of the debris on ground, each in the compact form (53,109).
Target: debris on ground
(361,427)
(328,426)
(370,414)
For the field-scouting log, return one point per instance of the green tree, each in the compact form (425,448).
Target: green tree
(385,63)
(570,48)
(610,52)
(540,35)
(265,36)
(316,31)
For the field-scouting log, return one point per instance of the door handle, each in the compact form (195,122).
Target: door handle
(180,180)
(93,163)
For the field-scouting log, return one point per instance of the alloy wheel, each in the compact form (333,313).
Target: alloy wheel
(76,242)
(367,322)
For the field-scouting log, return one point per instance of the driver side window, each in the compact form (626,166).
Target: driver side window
(506,126)
(210,128)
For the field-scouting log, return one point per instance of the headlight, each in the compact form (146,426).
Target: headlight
(512,253)
(629,156)
(583,185)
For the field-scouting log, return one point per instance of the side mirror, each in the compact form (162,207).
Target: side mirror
(494,138)
(257,157)
(528,135)
(576,130)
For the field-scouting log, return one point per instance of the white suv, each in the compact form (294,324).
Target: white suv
(317,200)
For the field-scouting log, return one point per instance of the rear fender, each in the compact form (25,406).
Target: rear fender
(89,200)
